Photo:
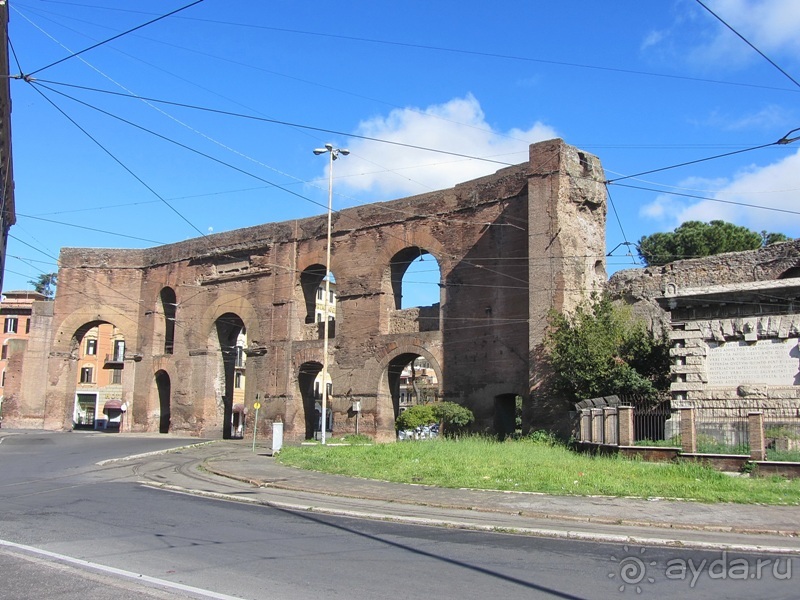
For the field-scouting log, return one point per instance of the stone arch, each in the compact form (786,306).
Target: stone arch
(227,303)
(63,377)
(399,264)
(307,373)
(311,278)
(790,272)
(72,329)
(223,340)
(387,382)
(310,293)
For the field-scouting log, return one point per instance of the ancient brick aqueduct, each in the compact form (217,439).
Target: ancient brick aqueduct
(510,247)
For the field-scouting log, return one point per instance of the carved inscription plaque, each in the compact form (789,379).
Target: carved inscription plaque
(771,362)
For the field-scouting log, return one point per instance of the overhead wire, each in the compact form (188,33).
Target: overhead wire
(281,122)
(464,51)
(119,162)
(115,37)
(435,150)
(609,181)
(746,41)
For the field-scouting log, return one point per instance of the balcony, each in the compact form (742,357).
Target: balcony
(114,361)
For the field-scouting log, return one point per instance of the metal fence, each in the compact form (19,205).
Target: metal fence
(722,431)
(782,434)
(655,422)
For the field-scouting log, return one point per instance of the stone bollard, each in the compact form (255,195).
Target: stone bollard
(610,425)
(586,425)
(625,433)
(755,435)
(688,431)
(597,425)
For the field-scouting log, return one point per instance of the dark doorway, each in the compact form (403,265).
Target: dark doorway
(229,326)
(505,415)
(305,379)
(164,391)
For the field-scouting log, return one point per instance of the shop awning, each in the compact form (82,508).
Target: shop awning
(112,405)
(239,408)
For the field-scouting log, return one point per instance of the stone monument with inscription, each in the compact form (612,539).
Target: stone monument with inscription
(735,349)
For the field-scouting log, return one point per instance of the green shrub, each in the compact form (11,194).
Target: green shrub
(453,417)
(416,416)
(543,438)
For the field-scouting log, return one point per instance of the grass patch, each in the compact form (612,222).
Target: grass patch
(536,466)
(783,455)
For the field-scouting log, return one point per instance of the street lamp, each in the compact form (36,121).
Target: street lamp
(334,154)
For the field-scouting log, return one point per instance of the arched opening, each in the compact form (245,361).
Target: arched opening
(507,415)
(99,351)
(164,387)
(310,381)
(415,276)
(228,327)
(412,380)
(790,272)
(311,279)
(169,306)
(319,304)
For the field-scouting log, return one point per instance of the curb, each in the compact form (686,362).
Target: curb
(109,461)
(453,524)
(530,514)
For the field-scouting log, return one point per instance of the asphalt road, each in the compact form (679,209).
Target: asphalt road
(70,528)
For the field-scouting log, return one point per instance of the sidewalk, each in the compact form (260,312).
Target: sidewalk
(662,522)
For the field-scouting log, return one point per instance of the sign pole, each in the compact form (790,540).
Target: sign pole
(256,405)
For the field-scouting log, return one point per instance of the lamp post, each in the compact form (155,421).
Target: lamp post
(334,154)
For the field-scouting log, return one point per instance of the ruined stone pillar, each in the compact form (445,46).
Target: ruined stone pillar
(610,425)
(688,431)
(597,425)
(586,425)
(625,434)
(755,435)
(566,252)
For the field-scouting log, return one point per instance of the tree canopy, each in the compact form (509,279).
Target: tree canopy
(45,284)
(601,350)
(694,239)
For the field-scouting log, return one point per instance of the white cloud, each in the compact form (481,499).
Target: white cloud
(772,26)
(775,186)
(654,38)
(457,126)
(771,117)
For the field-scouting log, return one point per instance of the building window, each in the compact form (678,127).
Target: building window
(116,376)
(4,355)
(91,347)
(238,381)
(119,350)
(320,293)
(11,325)
(332,297)
(86,375)
(3,379)
(27,325)
(239,357)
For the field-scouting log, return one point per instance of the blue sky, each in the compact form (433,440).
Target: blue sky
(643,85)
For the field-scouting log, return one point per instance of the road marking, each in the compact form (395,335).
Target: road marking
(119,572)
